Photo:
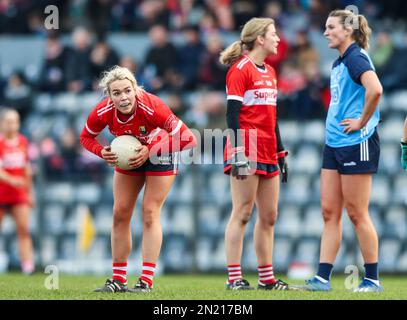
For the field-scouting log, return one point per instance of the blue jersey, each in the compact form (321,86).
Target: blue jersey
(348,98)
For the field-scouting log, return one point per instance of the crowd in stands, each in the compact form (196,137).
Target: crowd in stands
(191,67)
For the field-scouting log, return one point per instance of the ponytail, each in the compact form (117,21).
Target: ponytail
(251,30)
(232,53)
(362,34)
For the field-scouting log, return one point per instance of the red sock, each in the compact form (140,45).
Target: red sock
(234,272)
(266,274)
(147,273)
(120,271)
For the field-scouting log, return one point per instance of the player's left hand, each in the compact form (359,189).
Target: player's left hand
(351,125)
(141,157)
(404,155)
(282,164)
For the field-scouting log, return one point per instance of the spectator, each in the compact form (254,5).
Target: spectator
(102,57)
(78,65)
(212,73)
(276,60)
(99,12)
(291,79)
(52,77)
(382,51)
(221,10)
(303,52)
(151,13)
(190,56)
(123,15)
(129,63)
(393,75)
(308,102)
(161,60)
(18,94)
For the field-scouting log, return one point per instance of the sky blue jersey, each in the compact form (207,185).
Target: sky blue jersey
(348,98)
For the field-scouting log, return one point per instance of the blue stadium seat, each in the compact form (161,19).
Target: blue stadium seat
(289,220)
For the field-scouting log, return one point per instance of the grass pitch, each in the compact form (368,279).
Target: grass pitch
(14,286)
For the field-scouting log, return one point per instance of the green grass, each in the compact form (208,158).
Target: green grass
(181,287)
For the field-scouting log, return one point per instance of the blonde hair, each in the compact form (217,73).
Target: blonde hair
(251,30)
(118,73)
(361,30)
(6,110)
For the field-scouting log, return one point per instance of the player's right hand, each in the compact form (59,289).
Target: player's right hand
(109,156)
(404,155)
(240,165)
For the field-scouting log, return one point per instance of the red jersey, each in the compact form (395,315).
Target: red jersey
(257,90)
(13,160)
(150,118)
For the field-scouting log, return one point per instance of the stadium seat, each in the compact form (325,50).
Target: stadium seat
(389,162)
(54,214)
(89,193)
(307,251)
(314,132)
(282,253)
(307,159)
(62,192)
(289,220)
(182,220)
(389,250)
(380,190)
(209,220)
(398,100)
(312,224)
(395,222)
(391,130)
(297,190)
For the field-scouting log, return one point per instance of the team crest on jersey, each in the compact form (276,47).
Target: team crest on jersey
(143,130)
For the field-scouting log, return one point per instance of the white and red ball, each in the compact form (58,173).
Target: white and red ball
(125,147)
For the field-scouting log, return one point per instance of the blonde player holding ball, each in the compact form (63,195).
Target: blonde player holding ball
(130,110)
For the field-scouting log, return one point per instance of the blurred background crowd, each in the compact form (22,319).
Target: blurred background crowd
(172,46)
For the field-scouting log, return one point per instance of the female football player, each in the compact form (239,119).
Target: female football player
(129,110)
(404,147)
(351,152)
(16,192)
(254,152)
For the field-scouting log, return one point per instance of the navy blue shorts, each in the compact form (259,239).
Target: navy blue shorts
(356,159)
(266,170)
(161,166)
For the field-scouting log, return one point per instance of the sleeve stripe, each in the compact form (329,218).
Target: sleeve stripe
(235,98)
(179,125)
(90,131)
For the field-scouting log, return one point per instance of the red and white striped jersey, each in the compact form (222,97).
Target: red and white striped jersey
(151,116)
(14,155)
(256,88)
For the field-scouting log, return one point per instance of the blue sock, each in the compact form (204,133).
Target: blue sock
(324,271)
(372,271)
